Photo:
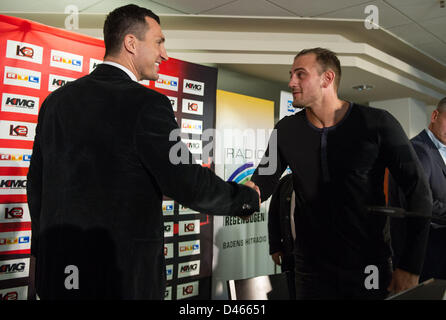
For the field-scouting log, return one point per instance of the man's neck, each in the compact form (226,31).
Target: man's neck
(327,113)
(125,63)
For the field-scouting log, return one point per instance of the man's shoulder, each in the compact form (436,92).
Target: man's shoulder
(420,137)
(422,141)
(369,110)
(291,120)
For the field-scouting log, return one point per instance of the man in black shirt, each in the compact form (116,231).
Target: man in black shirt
(338,152)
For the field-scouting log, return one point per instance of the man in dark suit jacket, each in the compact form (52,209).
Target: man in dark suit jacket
(430,146)
(100,168)
(281,230)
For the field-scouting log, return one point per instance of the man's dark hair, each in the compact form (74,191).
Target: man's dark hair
(327,60)
(129,19)
(441,106)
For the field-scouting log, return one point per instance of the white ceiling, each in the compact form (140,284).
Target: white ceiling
(413,31)
(421,23)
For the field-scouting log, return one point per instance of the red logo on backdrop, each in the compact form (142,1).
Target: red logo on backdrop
(13,295)
(192,106)
(21,131)
(25,51)
(190,227)
(188,290)
(14,213)
(11,75)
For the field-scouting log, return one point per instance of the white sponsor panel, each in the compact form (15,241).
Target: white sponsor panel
(168,250)
(188,248)
(194,146)
(167,82)
(17,240)
(168,207)
(189,269)
(14,269)
(187,290)
(174,103)
(193,87)
(22,77)
(286,105)
(168,293)
(192,106)
(14,212)
(17,130)
(56,81)
(191,126)
(168,229)
(66,60)
(169,272)
(12,185)
(17,293)
(15,157)
(185,210)
(93,64)
(24,51)
(188,227)
(19,103)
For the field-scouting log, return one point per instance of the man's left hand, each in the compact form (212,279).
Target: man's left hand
(402,280)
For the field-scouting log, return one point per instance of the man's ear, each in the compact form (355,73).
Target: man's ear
(328,78)
(130,43)
(434,115)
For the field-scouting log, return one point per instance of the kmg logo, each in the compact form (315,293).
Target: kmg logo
(193,87)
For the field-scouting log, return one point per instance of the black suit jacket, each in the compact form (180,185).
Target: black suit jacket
(435,169)
(99,169)
(279,222)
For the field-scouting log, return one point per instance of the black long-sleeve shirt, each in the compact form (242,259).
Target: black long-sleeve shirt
(339,171)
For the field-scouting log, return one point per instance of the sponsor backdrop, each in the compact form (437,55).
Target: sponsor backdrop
(36,60)
(241,247)
(286,105)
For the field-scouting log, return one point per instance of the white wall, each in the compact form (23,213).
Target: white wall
(412,114)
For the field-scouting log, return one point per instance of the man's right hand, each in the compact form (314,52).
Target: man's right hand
(277,257)
(256,188)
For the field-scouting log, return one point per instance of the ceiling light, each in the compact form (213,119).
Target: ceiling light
(363,87)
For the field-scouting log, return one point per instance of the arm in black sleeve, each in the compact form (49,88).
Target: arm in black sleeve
(274,230)
(406,169)
(268,172)
(192,185)
(34,185)
(398,226)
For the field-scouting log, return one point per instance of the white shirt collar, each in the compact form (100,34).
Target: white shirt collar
(120,66)
(434,139)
